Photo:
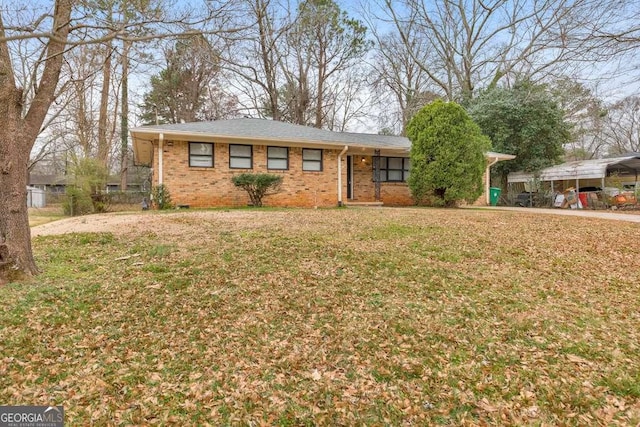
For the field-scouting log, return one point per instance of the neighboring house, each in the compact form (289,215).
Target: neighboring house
(196,161)
(50,183)
(137,181)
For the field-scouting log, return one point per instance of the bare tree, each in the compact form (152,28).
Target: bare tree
(349,100)
(473,44)
(402,86)
(587,115)
(622,128)
(326,43)
(17,137)
(254,55)
(289,62)
(183,91)
(57,31)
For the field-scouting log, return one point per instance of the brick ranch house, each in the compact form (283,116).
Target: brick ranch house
(321,168)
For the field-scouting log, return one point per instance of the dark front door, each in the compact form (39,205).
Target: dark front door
(349,177)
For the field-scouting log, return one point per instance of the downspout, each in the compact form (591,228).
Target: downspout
(487,181)
(160,151)
(344,150)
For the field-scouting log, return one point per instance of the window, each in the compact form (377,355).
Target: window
(311,160)
(200,155)
(394,169)
(240,156)
(278,158)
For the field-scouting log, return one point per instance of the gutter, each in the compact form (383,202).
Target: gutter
(344,150)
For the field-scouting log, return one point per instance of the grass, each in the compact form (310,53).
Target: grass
(39,216)
(306,317)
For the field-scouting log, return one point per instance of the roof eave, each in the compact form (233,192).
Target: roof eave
(151,134)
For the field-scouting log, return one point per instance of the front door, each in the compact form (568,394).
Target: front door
(349,177)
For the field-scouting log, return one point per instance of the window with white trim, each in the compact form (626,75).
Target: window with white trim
(200,155)
(311,160)
(240,156)
(278,158)
(394,169)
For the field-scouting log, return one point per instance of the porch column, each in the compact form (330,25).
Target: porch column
(160,158)
(376,174)
(344,150)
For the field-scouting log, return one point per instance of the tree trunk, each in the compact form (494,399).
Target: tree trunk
(124,120)
(16,258)
(17,136)
(104,144)
(321,82)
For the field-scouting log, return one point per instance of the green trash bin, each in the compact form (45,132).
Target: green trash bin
(494,195)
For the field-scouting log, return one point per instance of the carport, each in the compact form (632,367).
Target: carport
(575,174)
(581,174)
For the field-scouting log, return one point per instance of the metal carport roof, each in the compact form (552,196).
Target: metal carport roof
(583,169)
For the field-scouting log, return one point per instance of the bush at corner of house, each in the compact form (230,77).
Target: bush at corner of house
(160,197)
(258,185)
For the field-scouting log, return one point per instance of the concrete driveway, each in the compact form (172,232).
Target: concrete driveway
(618,216)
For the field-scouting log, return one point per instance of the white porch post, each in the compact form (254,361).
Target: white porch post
(160,150)
(487,180)
(344,150)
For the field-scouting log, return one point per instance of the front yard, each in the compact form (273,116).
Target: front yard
(341,316)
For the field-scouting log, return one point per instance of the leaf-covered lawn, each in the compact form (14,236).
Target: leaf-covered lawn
(345,316)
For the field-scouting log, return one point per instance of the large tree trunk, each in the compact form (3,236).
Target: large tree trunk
(16,258)
(18,133)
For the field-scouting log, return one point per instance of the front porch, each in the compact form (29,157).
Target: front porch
(376,179)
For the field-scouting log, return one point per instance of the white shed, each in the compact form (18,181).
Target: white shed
(36,198)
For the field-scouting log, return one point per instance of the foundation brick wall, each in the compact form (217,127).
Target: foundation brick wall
(396,194)
(212,187)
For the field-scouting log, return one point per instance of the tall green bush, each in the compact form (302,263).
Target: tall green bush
(258,185)
(447,155)
(77,202)
(86,188)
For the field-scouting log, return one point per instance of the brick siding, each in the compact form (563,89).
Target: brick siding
(391,193)
(212,187)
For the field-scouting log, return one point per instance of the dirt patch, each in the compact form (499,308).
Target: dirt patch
(169,224)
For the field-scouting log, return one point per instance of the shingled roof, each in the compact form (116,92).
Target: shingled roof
(261,129)
(256,131)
